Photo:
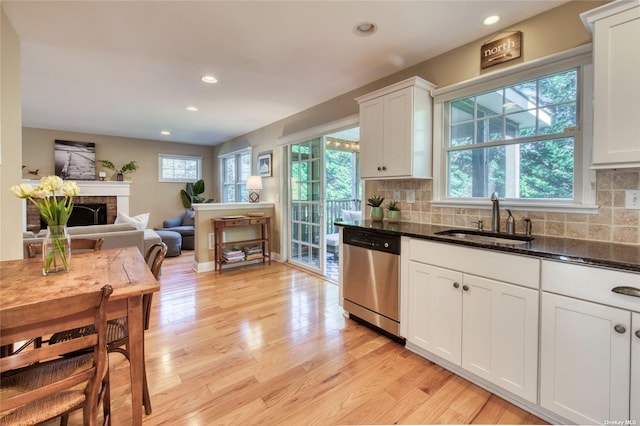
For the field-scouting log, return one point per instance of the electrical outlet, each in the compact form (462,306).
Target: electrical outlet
(397,195)
(411,196)
(632,199)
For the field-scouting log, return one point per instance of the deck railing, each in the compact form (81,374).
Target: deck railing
(334,208)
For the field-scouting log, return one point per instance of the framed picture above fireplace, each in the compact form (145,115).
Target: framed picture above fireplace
(75,160)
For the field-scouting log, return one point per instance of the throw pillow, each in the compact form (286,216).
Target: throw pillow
(140,221)
(188,218)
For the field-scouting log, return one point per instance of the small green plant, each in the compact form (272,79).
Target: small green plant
(191,194)
(393,206)
(130,167)
(375,201)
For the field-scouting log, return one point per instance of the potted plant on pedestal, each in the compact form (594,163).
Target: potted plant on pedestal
(377,213)
(393,214)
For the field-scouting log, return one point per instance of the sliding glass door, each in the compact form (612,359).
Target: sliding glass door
(306,193)
(324,182)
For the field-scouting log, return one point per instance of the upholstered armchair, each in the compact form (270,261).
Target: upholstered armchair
(184,225)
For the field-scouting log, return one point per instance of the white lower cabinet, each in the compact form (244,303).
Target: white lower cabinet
(585,360)
(488,327)
(635,368)
(435,310)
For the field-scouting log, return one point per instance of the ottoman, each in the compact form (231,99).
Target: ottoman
(173,240)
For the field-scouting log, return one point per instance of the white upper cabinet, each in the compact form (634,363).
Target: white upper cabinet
(616,107)
(396,131)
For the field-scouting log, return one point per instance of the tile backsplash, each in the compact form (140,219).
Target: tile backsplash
(613,223)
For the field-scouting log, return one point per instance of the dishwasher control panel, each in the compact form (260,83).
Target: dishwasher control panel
(372,240)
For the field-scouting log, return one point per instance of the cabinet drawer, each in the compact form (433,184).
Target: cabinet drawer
(590,283)
(510,268)
(235,222)
(259,221)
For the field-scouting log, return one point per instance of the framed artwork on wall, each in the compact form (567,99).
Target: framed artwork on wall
(264,165)
(75,160)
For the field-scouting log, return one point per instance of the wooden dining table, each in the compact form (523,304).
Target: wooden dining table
(22,283)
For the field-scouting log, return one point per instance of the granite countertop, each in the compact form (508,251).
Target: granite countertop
(594,253)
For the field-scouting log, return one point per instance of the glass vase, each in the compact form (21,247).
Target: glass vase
(56,250)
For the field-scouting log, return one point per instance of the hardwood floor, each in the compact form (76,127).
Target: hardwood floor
(269,345)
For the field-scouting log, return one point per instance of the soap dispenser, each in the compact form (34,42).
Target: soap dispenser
(511,224)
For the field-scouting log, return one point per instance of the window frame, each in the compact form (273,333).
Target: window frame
(195,158)
(239,183)
(584,178)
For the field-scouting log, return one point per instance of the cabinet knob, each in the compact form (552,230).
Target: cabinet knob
(379,168)
(384,167)
(465,287)
(619,328)
(638,333)
(456,285)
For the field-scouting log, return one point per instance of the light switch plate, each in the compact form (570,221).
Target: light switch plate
(411,196)
(397,195)
(632,199)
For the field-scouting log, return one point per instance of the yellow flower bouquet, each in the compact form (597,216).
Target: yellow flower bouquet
(56,252)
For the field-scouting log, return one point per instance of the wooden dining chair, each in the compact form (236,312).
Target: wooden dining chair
(117,333)
(52,380)
(77,244)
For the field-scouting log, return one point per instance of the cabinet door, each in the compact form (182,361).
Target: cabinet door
(435,310)
(635,368)
(371,137)
(500,334)
(398,133)
(616,90)
(584,361)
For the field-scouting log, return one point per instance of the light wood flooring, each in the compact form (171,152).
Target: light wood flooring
(266,345)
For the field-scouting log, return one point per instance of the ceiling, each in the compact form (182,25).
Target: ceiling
(130,68)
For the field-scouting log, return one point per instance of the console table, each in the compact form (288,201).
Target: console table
(264,239)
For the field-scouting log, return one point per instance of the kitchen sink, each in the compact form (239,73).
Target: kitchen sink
(485,237)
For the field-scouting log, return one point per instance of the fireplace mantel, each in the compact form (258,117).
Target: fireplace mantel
(91,188)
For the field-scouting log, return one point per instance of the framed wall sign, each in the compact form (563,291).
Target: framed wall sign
(502,50)
(264,165)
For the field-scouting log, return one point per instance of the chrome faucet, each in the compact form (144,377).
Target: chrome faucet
(495,213)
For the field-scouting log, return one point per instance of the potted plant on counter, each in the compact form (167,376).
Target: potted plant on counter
(375,202)
(393,214)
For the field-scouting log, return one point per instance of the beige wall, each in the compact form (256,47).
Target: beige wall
(547,33)
(11,155)
(161,199)
(554,31)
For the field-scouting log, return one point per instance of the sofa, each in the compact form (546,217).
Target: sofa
(114,236)
(184,224)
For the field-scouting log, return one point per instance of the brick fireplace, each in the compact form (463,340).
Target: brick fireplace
(115,195)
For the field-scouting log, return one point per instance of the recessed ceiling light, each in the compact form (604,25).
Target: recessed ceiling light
(209,79)
(490,20)
(365,29)
(165,132)
(192,108)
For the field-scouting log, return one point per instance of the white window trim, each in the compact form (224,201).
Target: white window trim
(221,159)
(585,182)
(186,157)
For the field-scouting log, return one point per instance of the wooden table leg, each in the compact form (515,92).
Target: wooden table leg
(136,354)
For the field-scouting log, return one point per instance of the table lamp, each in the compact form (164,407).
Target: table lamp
(254,185)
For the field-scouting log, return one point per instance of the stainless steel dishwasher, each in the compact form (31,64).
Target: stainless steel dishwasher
(371,288)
